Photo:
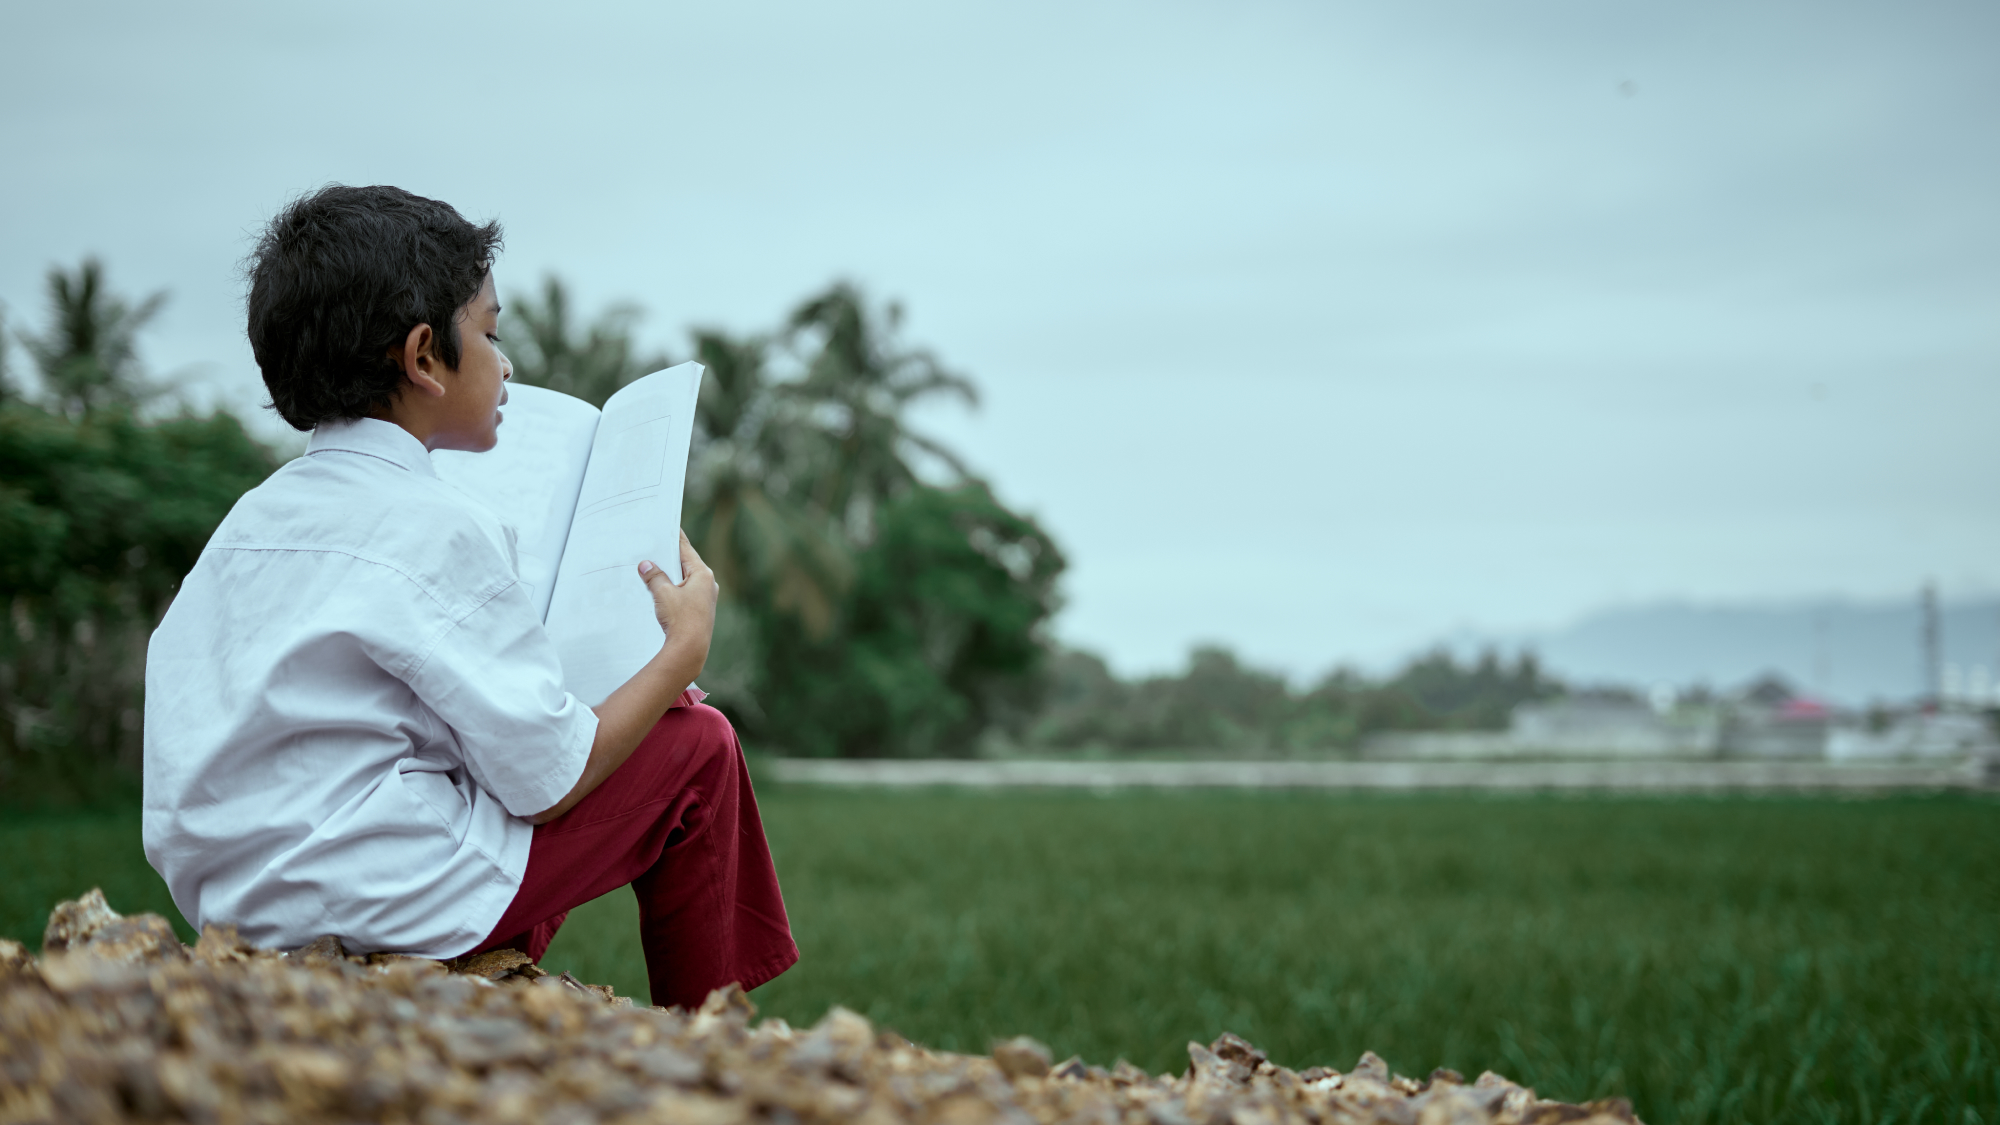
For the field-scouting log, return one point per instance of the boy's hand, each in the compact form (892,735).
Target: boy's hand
(687,611)
(687,615)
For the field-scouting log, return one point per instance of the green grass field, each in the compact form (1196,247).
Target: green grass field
(1766,961)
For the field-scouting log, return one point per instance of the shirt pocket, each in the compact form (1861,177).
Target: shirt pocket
(436,790)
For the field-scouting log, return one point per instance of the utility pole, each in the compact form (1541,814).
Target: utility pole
(1932,647)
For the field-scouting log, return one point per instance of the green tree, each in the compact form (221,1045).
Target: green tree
(860,382)
(1218,704)
(102,512)
(87,357)
(1481,695)
(867,607)
(8,392)
(940,633)
(750,514)
(752,511)
(589,361)
(940,638)
(100,518)
(1084,704)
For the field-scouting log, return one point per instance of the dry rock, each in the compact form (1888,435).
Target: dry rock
(73,922)
(325,947)
(115,1024)
(15,958)
(497,965)
(1022,1057)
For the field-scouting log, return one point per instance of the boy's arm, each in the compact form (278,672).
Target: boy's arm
(687,615)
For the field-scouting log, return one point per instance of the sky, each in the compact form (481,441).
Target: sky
(1323,331)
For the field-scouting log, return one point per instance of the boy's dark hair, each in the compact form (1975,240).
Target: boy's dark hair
(338,280)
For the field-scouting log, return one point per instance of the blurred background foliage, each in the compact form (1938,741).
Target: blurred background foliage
(1220,706)
(879,599)
(103,507)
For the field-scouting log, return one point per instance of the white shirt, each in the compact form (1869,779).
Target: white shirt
(350,706)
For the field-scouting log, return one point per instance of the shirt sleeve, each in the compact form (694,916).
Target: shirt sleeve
(494,678)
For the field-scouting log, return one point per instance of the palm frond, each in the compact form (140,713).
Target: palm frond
(87,357)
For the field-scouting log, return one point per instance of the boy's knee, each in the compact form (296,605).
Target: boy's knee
(710,732)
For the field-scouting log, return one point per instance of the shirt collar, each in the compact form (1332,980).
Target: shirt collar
(372,437)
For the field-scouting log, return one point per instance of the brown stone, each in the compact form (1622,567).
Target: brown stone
(112,1025)
(492,964)
(73,922)
(1235,1050)
(326,947)
(90,923)
(15,958)
(1022,1057)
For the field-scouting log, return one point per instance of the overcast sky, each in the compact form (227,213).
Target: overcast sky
(1321,330)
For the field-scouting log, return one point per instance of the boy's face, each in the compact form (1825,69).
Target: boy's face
(476,391)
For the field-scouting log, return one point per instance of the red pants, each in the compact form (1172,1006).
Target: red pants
(679,823)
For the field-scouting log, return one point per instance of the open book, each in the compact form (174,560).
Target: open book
(589,494)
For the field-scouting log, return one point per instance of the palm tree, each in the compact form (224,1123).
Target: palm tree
(7,390)
(752,516)
(87,359)
(858,383)
(547,352)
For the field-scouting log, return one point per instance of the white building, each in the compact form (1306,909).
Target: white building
(1603,728)
(1917,736)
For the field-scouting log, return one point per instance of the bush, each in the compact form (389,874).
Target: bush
(100,518)
(1222,705)
(938,639)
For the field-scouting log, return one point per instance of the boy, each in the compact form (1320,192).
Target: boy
(355,724)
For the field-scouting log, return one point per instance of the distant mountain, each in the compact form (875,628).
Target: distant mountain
(1843,651)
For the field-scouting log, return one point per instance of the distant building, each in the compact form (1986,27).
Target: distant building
(1918,735)
(1765,723)
(1609,727)
(1584,726)
(1775,725)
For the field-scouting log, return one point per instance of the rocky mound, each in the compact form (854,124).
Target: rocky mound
(117,1021)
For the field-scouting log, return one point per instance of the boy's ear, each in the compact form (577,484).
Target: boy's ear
(419,361)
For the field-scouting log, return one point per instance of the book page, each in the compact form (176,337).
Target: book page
(628,509)
(531,478)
